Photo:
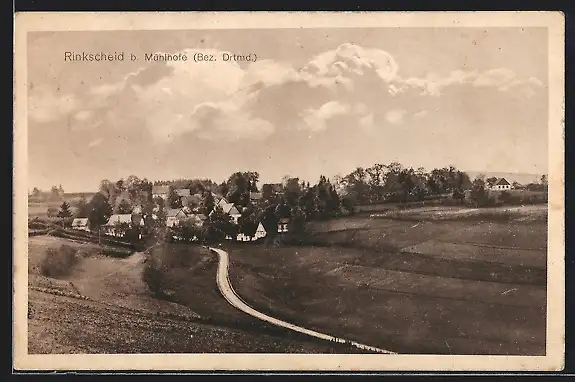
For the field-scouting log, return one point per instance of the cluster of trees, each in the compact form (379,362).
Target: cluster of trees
(55,194)
(393,182)
(196,186)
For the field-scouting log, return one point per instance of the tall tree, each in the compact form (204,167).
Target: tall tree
(54,194)
(208,203)
(479,194)
(83,208)
(124,207)
(100,211)
(292,191)
(64,211)
(239,186)
(174,200)
(220,225)
(223,188)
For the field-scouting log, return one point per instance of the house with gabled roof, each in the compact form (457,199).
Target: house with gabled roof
(228,208)
(260,232)
(112,226)
(501,185)
(175,215)
(80,224)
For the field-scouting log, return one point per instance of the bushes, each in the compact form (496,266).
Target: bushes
(153,276)
(58,261)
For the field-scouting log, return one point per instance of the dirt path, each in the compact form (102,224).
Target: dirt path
(226,289)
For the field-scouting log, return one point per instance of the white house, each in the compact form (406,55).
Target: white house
(501,184)
(80,224)
(228,208)
(174,216)
(111,227)
(283,225)
(260,232)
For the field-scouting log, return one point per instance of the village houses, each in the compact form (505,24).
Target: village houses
(228,208)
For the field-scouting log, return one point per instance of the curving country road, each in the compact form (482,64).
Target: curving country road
(226,289)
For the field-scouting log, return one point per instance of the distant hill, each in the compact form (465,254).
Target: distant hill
(521,178)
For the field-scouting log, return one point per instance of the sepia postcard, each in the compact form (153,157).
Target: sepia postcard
(261,191)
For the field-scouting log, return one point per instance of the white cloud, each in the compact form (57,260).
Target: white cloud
(316,119)
(501,79)
(395,116)
(495,77)
(350,58)
(220,100)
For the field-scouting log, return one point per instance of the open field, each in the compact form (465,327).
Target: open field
(516,197)
(102,306)
(446,287)
(40,208)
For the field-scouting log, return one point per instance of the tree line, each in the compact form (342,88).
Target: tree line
(393,182)
(293,200)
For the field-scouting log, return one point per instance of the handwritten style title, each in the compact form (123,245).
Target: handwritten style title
(156,57)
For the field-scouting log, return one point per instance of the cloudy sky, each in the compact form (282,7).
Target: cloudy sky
(316,101)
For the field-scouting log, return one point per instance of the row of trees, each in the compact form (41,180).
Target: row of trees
(397,183)
(56,193)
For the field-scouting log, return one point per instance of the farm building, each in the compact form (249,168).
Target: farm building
(175,216)
(228,208)
(112,227)
(260,233)
(80,224)
(501,184)
(283,225)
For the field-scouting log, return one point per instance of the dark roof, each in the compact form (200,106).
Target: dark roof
(284,220)
(502,182)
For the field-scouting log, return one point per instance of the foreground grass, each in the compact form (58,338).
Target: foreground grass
(120,315)
(61,325)
(190,280)
(427,287)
